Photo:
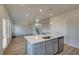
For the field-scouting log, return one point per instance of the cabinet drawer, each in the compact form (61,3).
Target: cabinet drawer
(39,51)
(37,45)
(48,42)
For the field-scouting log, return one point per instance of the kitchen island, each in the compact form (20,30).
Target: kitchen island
(44,44)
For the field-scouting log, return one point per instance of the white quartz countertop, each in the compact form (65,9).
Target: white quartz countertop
(38,38)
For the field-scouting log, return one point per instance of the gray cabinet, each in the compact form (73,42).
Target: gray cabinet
(60,44)
(39,51)
(49,48)
(36,49)
(29,49)
(39,48)
(38,45)
(55,45)
(52,46)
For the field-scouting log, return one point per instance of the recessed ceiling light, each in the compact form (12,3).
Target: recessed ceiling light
(51,14)
(37,20)
(50,22)
(36,24)
(27,14)
(41,10)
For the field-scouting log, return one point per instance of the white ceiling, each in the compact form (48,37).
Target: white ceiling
(18,12)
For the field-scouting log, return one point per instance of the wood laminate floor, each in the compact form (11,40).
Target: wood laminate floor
(17,47)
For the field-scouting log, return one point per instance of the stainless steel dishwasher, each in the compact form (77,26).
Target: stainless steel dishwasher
(60,44)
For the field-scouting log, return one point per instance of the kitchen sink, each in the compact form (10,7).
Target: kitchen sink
(46,37)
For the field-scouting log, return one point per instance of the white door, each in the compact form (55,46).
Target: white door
(1,52)
(4,33)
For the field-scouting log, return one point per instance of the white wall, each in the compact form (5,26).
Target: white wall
(58,26)
(3,13)
(68,25)
(73,28)
(22,30)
